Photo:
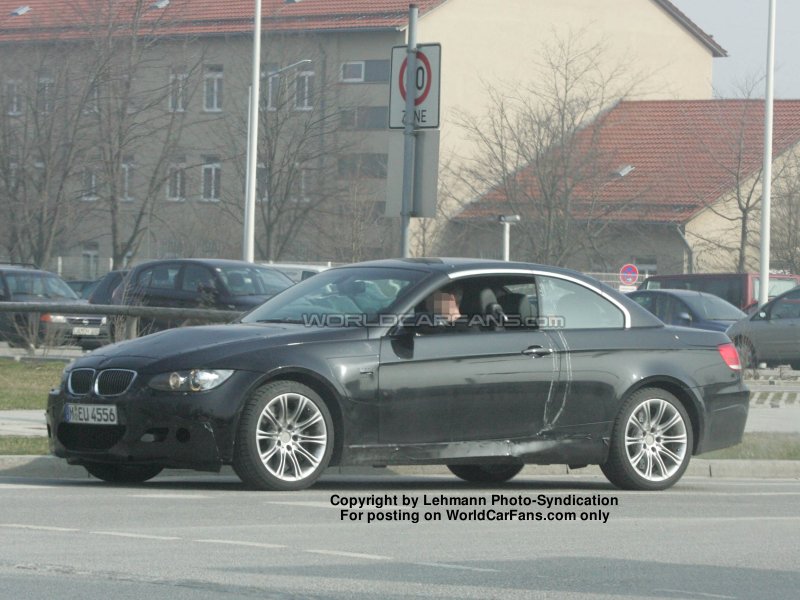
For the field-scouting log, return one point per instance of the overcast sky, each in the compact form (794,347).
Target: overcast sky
(740,26)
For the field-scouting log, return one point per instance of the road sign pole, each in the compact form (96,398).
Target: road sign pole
(408,130)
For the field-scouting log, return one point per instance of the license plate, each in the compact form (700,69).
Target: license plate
(85,331)
(93,414)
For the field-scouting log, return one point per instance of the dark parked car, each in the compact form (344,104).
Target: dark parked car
(772,334)
(689,309)
(23,284)
(102,292)
(83,287)
(541,365)
(198,283)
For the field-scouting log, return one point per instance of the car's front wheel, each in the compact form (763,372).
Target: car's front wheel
(114,473)
(485,473)
(651,443)
(285,437)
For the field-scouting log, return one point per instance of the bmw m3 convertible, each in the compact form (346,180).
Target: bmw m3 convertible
(483,366)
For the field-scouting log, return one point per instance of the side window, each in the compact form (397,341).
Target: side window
(567,305)
(197,278)
(787,307)
(645,301)
(161,277)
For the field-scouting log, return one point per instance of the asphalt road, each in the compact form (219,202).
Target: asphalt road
(203,538)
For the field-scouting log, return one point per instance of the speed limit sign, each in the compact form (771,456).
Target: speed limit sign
(426,79)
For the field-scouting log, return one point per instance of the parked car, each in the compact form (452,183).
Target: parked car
(198,283)
(772,334)
(689,309)
(24,284)
(83,287)
(102,293)
(740,289)
(297,272)
(337,370)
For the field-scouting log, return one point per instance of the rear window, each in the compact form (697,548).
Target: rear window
(727,288)
(38,285)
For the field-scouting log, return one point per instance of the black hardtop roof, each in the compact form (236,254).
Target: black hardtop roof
(214,262)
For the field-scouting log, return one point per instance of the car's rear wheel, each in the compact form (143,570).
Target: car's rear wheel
(114,473)
(285,438)
(651,443)
(485,473)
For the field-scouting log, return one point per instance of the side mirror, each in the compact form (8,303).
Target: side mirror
(762,314)
(684,318)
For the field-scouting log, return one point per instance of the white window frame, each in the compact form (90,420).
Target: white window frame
(13,99)
(176,174)
(126,174)
(302,101)
(45,85)
(89,189)
(213,82)
(271,80)
(177,91)
(212,172)
(262,178)
(302,187)
(359,79)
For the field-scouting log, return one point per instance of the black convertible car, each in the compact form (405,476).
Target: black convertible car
(363,365)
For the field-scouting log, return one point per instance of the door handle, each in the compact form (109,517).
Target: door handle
(537,351)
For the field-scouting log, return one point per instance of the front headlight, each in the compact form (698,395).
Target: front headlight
(196,380)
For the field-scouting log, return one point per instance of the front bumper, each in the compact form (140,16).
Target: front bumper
(193,431)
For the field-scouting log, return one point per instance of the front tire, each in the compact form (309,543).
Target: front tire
(485,473)
(651,443)
(285,438)
(114,473)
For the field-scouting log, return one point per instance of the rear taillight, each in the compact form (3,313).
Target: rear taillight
(730,356)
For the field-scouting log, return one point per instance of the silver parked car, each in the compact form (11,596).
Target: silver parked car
(771,335)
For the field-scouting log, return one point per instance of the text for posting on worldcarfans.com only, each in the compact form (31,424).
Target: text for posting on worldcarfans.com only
(393,508)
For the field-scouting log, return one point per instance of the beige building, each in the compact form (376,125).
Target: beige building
(675,187)
(114,150)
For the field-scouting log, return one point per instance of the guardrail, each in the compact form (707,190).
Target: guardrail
(132,313)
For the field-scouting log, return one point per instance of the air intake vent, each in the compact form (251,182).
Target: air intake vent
(89,437)
(113,382)
(80,381)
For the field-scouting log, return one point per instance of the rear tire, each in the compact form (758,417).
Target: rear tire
(651,443)
(485,473)
(285,438)
(114,473)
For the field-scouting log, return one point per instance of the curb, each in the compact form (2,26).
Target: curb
(36,466)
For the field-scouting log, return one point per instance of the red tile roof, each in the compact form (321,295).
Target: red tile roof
(69,19)
(684,154)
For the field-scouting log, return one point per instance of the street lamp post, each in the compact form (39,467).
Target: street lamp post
(248,245)
(507,220)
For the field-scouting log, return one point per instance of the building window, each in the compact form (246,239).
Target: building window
(372,166)
(45,88)
(126,177)
(352,72)
(176,182)
(92,99)
(300,185)
(304,91)
(177,91)
(212,79)
(365,71)
(90,259)
(12,100)
(262,192)
(212,179)
(270,86)
(89,188)
(365,117)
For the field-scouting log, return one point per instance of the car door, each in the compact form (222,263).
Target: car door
(590,330)
(475,383)
(777,338)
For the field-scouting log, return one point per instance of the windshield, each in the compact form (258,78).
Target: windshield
(713,308)
(254,281)
(345,296)
(38,285)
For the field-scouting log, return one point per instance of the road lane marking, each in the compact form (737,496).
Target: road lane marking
(702,594)
(458,567)
(38,527)
(301,503)
(135,535)
(241,543)
(350,554)
(170,496)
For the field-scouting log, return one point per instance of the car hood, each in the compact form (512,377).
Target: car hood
(190,346)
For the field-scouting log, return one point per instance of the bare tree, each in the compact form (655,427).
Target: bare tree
(785,234)
(538,148)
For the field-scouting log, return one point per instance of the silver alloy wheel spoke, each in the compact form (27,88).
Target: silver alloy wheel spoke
(654,455)
(291,436)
